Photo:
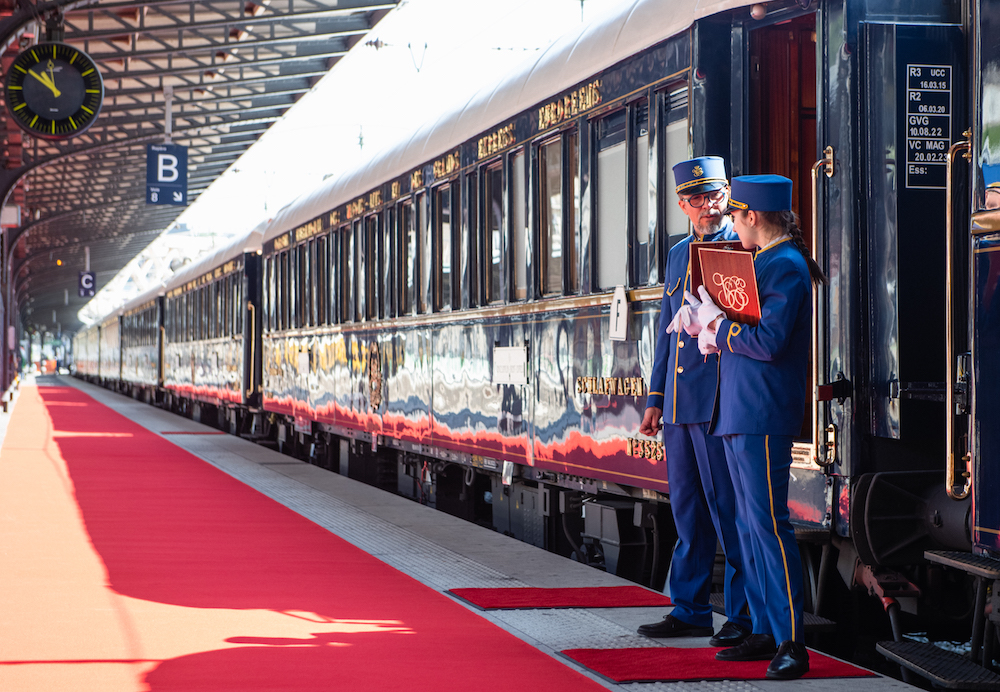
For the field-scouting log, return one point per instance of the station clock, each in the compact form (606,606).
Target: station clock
(54,91)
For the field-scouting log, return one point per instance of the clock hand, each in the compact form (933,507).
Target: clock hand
(45,79)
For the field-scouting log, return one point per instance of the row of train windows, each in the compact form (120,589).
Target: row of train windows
(209,312)
(139,328)
(467,243)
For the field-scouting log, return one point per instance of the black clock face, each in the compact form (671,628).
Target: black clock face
(54,91)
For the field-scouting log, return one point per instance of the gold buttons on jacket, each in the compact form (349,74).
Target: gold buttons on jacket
(680,368)
(680,344)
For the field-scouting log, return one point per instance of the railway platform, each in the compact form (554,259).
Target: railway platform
(144,551)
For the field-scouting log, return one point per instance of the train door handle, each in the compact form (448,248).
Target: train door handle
(951,487)
(825,165)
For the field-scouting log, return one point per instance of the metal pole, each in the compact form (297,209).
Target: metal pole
(168,107)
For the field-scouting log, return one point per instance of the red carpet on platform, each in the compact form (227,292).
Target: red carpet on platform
(129,564)
(679,664)
(580,597)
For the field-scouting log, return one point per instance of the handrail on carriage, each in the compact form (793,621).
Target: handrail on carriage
(949,347)
(826,165)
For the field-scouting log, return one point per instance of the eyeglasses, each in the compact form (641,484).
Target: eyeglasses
(698,201)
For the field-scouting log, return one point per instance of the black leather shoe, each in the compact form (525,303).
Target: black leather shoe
(791,663)
(730,634)
(670,626)
(756,647)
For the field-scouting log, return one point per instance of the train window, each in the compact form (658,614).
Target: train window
(573,240)
(408,258)
(347,258)
(320,269)
(387,308)
(443,247)
(423,252)
(468,257)
(519,226)
(550,216)
(238,304)
(612,201)
(645,191)
(493,233)
(284,288)
(371,251)
(676,149)
(360,271)
(269,294)
(305,285)
(294,281)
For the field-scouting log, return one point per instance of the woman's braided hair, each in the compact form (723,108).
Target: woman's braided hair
(788,223)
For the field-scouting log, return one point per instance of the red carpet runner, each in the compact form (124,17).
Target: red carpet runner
(128,564)
(668,664)
(580,597)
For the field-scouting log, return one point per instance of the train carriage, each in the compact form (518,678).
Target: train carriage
(110,351)
(86,353)
(211,332)
(142,346)
(469,318)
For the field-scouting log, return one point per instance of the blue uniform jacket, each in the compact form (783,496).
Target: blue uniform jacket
(683,381)
(762,382)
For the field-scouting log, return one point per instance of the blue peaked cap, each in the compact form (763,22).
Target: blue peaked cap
(761,193)
(702,174)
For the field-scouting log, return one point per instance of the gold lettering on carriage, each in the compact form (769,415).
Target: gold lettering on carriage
(496,142)
(308,230)
(282,241)
(447,165)
(572,104)
(733,294)
(646,449)
(613,386)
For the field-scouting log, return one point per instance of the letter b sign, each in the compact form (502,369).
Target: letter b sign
(166,174)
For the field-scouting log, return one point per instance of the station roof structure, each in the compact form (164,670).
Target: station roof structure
(231,69)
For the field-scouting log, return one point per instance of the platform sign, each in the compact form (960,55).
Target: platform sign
(87,284)
(166,174)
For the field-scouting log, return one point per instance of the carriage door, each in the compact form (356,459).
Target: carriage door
(912,109)
(986,280)
(782,139)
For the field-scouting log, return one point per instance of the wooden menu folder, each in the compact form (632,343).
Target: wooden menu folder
(726,270)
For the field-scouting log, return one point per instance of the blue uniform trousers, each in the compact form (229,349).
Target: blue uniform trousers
(760,467)
(701,495)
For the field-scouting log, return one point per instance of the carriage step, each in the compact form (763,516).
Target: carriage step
(943,668)
(812,623)
(976,565)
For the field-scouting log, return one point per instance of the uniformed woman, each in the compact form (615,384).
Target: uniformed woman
(762,394)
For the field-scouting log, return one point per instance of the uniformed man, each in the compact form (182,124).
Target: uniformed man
(682,392)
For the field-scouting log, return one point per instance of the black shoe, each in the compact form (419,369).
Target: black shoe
(670,626)
(791,663)
(731,634)
(756,647)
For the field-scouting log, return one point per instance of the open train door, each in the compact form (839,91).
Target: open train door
(780,134)
(985,281)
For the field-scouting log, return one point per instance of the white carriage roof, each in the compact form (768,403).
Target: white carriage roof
(629,28)
(248,243)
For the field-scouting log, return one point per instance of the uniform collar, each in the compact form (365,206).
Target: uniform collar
(772,244)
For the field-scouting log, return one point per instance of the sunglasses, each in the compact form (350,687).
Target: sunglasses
(698,201)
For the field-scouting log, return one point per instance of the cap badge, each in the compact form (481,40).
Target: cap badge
(698,171)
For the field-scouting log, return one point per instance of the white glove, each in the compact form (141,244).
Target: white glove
(708,311)
(706,342)
(682,319)
(689,320)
